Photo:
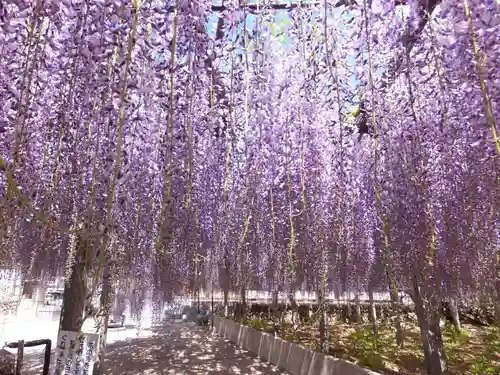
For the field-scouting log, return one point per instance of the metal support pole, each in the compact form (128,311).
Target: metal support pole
(46,360)
(20,345)
(19,357)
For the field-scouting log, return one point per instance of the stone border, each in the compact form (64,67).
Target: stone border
(286,355)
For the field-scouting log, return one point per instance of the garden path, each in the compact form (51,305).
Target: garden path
(174,348)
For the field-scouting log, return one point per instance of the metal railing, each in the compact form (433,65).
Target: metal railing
(21,344)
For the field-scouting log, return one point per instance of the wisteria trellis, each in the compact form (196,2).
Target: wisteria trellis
(134,140)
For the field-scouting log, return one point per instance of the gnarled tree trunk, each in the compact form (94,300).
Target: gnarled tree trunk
(348,315)
(294,308)
(358,317)
(240,310)
(74,299)
(455,317)
(396,307)
(372,313)
(104,310)
(496,300)
(323,321)
(226,301)
(225,282)
(275,309)
(428,314)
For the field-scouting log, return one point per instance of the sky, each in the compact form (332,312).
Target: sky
(282,21)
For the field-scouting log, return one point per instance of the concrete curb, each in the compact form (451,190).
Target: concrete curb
(286,355)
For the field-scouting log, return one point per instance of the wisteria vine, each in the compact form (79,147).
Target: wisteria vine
(333,146)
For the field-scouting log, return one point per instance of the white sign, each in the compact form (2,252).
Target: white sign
(75,356)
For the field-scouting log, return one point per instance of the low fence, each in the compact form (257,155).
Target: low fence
(301,297)
(286,355)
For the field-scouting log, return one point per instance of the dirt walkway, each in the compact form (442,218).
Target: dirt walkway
(176,349)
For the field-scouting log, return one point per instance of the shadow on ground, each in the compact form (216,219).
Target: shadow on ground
(179,348)
(175,348)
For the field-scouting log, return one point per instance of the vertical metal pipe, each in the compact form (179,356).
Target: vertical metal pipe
(19,357)
(46,361)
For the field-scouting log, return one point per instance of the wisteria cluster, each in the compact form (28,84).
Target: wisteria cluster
(344,146)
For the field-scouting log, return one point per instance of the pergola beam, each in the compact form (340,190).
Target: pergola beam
(288,6)
(296,4)
(278,6)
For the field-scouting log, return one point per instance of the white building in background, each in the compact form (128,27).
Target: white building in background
(25,299)
(10,286)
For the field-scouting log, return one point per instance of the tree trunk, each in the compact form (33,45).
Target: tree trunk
(497,310)
(430,333)
(74,294)
(40,294)
(372,313)
(348,314)
(105,307)
(225,283)
(28,289)
(275,310)
(358,310)
(395,304)
(226,302)
(454,314)
(243,307)
(382,315)
(323,321)
(198,306)
(295,312)
(496,301)
(73,303)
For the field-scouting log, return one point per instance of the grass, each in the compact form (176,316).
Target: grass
(471,351)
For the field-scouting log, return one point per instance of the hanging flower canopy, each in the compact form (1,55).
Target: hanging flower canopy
(348,145)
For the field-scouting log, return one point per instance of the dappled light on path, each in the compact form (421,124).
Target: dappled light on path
(174,348)
(179,348)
